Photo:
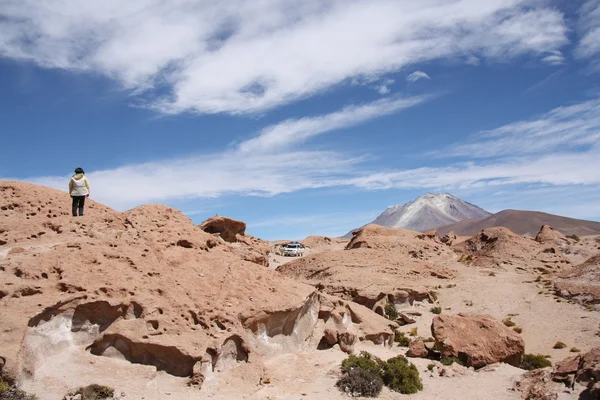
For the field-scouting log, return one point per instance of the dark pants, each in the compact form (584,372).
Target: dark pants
(78,203)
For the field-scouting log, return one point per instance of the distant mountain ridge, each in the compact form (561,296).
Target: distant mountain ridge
(523,223)
(427,212)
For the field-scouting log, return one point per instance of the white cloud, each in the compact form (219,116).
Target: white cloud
(285,170)
(553,169)
(555,58)
(295,131)
(383,89)
(565,127)
(589,27)
(417,75)
(247,56)
(211,176)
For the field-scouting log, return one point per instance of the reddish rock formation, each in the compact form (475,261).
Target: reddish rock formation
(149,287)
(477,340)
(226,228)
(397,264)
(499,247)
(417,349)
(549,235)
(582,283)
(589,372)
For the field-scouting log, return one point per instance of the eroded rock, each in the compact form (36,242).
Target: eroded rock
(477,340)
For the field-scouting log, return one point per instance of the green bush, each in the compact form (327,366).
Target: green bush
(396,373)
(402,339)
(559,345)
(436,310)
(4,387)
(391,312)
(534,361)
(94,392)
(365,361)
(430,367)
(401,376)
(360,382)
(451,360)
(9,392)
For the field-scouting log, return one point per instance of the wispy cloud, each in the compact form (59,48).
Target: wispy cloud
(554,169)
(569,155)
(568,127)
(294,131)
(248,56)
(589,27)
(417,75)
(555,57)
(212,176)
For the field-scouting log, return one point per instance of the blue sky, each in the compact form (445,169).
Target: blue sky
(305,117)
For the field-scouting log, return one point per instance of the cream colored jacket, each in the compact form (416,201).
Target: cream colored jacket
(79,185)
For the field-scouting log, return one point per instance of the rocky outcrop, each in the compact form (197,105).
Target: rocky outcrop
(226,228)
(449,238)
(550,236)
(588,372)
(582,283)
(149,287)
(379,266)
(583,369)
(477,340)
(538,385)
(499,247)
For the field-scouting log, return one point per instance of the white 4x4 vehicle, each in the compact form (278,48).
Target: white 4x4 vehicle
(293,249)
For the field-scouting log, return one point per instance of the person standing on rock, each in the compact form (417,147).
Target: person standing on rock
(79,189)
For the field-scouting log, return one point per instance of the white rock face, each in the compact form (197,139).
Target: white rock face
(429,211)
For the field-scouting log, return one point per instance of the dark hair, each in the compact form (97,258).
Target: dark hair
(79,171)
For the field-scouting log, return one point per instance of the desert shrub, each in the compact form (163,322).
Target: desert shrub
(401,339)
(559,345)
(9,392)
(467,259)
(430,367)
(401,376)
(534,361)
(574,237)
(396,373)
(94,392)
(4,386)
(492,274)
(364,361)
(360,382)
(414,332)
(508,322)
(433,294)
(436,310)
(450,360)
(428,340)
(575,350)
(518,329)
(391,312)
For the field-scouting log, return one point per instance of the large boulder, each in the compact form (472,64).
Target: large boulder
(417,349)
(225,227)
(477,340)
